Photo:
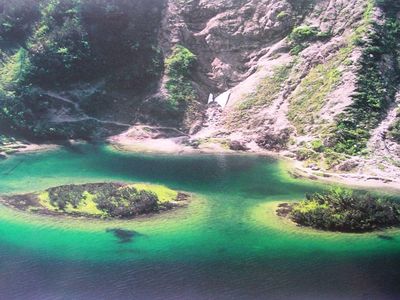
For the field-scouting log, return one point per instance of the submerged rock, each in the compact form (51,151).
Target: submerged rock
(385,237)
(124,236)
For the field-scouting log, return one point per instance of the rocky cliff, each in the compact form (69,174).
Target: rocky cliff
(316,80)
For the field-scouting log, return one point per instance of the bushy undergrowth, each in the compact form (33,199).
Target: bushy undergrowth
(395,130)
(17,18)
(179,66)
(376,84)
(302,36)
(56,44)
(112,200)
(347,211)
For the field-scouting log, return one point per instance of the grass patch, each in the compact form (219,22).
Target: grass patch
(44,200)
(267,90)
(105,200)
(163,193)
(316,153)
(394,131)
(87,205)
(310,96)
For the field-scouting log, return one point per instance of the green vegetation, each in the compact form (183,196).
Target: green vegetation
(14,70)
(282,15)
(125,202)
(56,44)
(179,68)
(267,90)
(303,33)
(318,154)
(317,146)
(394,131)
(307,154)
(301,37)
(107,199)
(17,18)
(163,193)
(376,85)
(85,205)
(84,40)
(347,211)
(310,96)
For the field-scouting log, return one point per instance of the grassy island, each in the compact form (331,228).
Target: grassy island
(100,200)
(343,210)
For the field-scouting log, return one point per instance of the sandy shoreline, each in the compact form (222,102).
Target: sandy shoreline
(178,146)
(295,168)
(18,147)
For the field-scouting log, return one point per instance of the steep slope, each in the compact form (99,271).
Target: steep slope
(317,80)
(66,64)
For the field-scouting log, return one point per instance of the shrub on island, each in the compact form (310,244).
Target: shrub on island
(113,199)
(344,210)
(105,200)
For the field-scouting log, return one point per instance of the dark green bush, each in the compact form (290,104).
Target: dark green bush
(126,202)
(301,36)
(69,42)
(113,199)
(376,86)
(347,211)
(303,33)
(17,18)
(179,67)
(394,130)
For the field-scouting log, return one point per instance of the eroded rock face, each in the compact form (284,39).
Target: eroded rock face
(240,42)
(244,24)
(228,35)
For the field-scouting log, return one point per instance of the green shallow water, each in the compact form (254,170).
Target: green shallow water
(226,244)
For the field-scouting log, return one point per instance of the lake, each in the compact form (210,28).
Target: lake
(227,244)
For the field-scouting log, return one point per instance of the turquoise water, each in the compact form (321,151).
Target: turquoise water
(226,245)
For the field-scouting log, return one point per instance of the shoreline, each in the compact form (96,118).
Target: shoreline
(351,180)
(176,146)
(265,213)
(292,166)
(34,203)
(103,220)
(21,148)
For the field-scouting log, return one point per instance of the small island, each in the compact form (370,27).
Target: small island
(100,200)
(343,210)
